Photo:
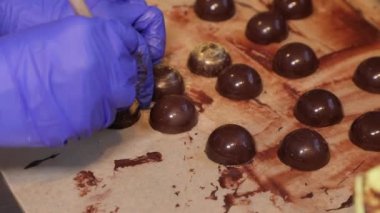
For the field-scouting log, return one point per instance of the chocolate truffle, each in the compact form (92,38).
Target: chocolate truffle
(230,144)
(295,60)
(304,149)
(318,108)
(173,114)
(208,60)
(239,82)
(294,9)
(367,75)
(266,28)
(365,131)
(167,82)
(214,10)
(126,117)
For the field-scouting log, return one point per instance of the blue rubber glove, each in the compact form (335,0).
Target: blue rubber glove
(65,79)
(16,15)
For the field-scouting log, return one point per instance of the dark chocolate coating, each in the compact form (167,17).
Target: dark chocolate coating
(230,144)
(367,75)
(304,149)
(294,9)
(214,10)
(295,60)
(318,108)
(239,82)
(365,131)
(208,60)
(125,118)
(173,114)
(266,28)
(167,82)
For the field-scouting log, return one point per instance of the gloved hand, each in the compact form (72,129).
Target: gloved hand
(65,79)
(16,15)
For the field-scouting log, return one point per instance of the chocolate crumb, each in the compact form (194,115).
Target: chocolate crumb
(348,203)
(91,209)
(148,158)
(116,210)
(177,205)
(212,195)
(174,186)
(202,187)
(177,193)
(84,181)
(309,195)
(38,162)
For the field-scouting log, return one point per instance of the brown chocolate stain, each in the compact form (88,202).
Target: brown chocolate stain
(229,177)
(38,162)
(91,209)
(291,91)
(179,14)
(177,205)
(177,193)
(199,99)
(348,203)
(116,210)
(268,154)
(259,53)
(229,201)
(268,185)
(308,196)
(84,181)
(212,195)
(148,158)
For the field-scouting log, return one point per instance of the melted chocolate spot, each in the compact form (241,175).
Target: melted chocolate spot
(266,28)
(294,9)
(148,158)
(318,108)
(214,10)
(167,82)
(38,162)
(126,117)
(84,181)
(295,60)
(367,75)
(308,196)
(305,150)
(173,114)
(346,204)
(208,60)
(365,131)
(230,177)
(230,144)
(239,82)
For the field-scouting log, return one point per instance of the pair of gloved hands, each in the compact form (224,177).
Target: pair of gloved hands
(64,76)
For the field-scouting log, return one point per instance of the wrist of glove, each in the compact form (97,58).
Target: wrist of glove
(66,79)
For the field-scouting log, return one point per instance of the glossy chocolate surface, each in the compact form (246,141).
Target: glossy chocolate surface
(367,75)
(365,131)
(318,108)
(126,118)
(294,9)
(239,82)
(208,60)
(173,114)
(214,10)
(167,82)
(230,144)
(304,149)
(295,60)
(266,28)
